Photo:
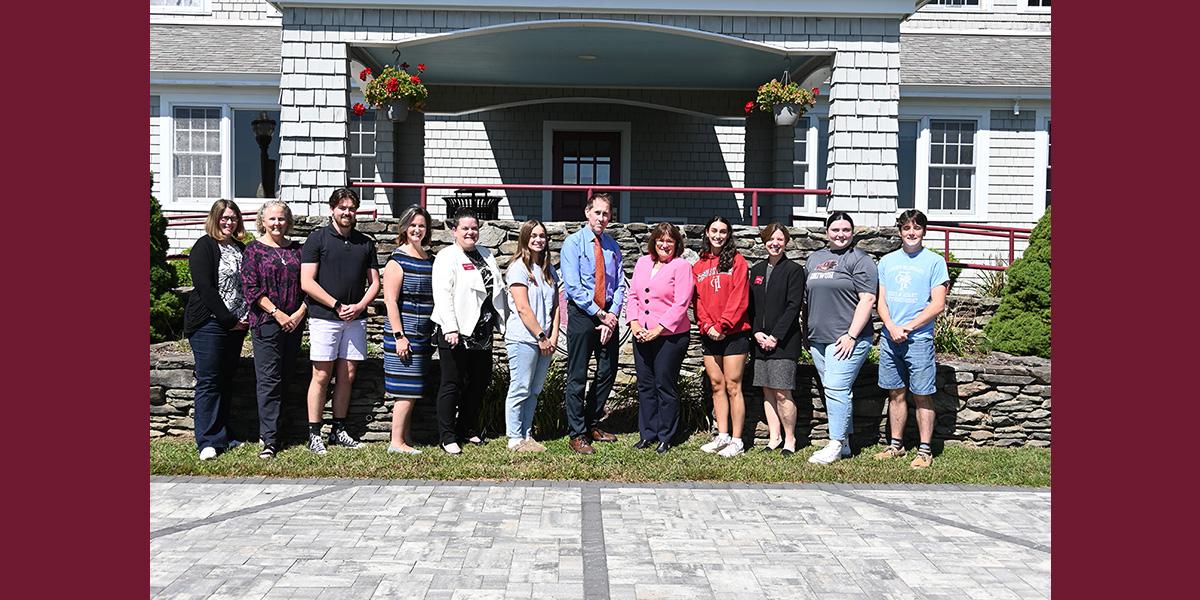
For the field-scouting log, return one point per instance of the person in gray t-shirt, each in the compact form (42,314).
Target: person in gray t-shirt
(840,292)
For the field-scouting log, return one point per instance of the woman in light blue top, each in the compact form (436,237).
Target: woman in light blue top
(531,333)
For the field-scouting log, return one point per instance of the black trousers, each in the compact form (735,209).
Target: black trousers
(585,405)
(465,378)
(657,365)
(275,352)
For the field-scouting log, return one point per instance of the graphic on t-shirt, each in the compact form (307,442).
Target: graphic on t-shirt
(828,265)
(824,270)
(903,279)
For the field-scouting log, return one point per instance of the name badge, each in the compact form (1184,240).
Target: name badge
(758,280)
(468,267)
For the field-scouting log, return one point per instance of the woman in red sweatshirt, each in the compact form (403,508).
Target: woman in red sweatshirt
(722,299)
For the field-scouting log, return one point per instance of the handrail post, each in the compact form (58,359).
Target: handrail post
(1012,246)
(754,208)
(423,193)
(947,244)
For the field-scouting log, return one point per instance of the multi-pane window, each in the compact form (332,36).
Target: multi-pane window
(1039,3)
(197,152)
(800,164)
(822,160)
(951,164)
(957,2)
(907,166)
(182,6)
(360,165)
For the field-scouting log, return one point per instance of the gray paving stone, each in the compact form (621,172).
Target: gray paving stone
(266,539)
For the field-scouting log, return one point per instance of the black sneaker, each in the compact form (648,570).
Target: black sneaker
(341,438)
(267,453)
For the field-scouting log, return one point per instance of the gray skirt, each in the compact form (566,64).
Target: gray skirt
(778,373)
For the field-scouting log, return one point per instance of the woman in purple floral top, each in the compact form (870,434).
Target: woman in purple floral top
(271,286)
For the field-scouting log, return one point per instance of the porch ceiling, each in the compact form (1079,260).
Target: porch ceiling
(624,57)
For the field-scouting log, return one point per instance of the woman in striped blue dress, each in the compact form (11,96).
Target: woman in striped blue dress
(407,347)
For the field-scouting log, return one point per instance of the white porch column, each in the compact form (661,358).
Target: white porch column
(313,115)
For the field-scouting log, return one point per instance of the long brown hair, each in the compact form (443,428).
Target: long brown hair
(212,225)
(727,252)
(406,219)
(526,257)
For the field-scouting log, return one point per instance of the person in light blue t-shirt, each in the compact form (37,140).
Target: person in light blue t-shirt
(913,282)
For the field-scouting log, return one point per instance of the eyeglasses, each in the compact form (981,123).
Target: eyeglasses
(225,218)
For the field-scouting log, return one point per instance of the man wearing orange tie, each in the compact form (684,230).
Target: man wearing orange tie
(595,287)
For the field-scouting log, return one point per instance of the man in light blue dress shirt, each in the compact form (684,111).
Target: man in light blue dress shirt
(591,321)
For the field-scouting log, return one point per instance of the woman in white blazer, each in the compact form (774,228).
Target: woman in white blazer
(468,305)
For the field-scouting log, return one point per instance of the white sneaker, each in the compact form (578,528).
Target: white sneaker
(830,453)
(716,444)
(733,449)
(452,448)
(394,450)
(208,453)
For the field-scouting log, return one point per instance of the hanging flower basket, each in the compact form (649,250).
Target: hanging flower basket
(394,91)
(788,101)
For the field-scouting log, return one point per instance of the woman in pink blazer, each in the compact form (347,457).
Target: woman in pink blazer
(656,309)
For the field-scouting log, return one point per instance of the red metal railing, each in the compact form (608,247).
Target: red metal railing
(588,189)
(996,231)
(197,218)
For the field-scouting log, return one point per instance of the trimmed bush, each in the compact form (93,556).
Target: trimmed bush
(1022,323)
(166,309)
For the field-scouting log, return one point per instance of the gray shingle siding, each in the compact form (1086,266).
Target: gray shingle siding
(214,48)
(974,60)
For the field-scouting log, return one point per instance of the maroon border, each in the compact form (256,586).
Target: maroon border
(1121,74)
(75,418)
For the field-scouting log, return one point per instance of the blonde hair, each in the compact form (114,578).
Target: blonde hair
(212,225)
(262,212)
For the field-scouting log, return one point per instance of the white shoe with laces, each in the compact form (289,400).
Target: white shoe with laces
(717,443)
(733,449)
(208,453)
(827,455)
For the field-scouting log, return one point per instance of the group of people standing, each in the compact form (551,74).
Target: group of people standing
(455,301)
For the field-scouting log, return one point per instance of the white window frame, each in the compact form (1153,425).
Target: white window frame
(1041,161)
(204,9)
(811,148)
(975,186)
(1033,9)
(981,150)
(227,102)
(222,132)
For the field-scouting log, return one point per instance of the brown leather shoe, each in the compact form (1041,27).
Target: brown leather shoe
(599,435)
(581,446)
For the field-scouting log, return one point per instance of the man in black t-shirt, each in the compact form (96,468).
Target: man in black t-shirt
(337,261)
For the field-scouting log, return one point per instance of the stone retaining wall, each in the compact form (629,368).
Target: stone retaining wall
(1002,401)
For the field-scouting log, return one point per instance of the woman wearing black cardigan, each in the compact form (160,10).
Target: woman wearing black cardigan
(776,296)
(215,322)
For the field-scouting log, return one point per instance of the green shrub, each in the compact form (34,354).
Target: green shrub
(166,309)
(183,273)
(954,271)
(990,284)
(951,336)
(1022,323)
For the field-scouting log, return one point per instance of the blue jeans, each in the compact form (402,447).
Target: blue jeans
(216,352)
(837,377)
(527,373)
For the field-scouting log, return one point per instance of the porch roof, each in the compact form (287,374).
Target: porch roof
(594,53)
(215,48)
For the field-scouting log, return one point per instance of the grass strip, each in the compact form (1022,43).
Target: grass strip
(1020,467)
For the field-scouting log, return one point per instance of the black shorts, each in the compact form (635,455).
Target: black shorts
(737,343)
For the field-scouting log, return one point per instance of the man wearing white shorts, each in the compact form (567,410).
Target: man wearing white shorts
(337,261)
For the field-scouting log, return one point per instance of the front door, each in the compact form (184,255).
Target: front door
(584,158)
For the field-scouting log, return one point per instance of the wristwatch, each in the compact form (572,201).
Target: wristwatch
(541,335)
(336,304)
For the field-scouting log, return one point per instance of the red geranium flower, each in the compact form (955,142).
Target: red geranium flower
(359,109)
(421,67)
(415,79)
(749,107)
(365,73)
(393,84)
(403,65)
(816,91)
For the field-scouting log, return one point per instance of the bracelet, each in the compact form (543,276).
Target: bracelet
(398,334)
(274,309)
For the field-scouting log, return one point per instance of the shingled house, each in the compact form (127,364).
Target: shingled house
(942,105)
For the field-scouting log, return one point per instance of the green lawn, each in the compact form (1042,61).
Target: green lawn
(614,462)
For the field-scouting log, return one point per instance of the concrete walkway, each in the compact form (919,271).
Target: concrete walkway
(350,539)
